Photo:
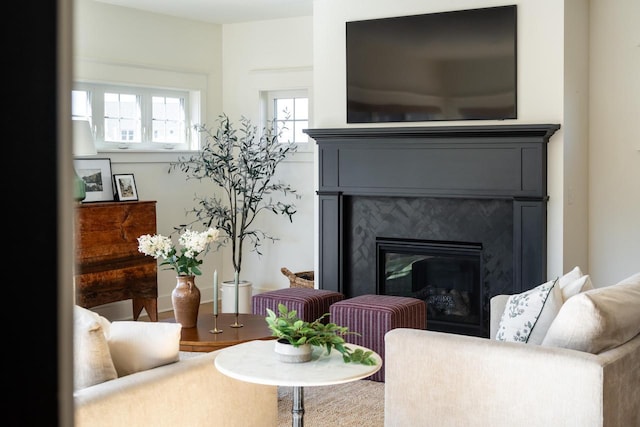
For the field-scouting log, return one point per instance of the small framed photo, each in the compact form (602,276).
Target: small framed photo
(125,187)
(96,174)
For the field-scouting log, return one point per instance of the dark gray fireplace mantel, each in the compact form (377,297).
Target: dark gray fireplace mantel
(506,162)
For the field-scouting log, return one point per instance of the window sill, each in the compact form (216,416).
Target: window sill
(132,156)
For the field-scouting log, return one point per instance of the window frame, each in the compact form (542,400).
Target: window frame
(268,98)
(192,116)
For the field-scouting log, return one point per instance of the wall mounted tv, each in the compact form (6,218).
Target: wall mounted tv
(458,65)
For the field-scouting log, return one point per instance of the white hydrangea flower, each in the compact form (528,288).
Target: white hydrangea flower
(155,246)
(185,263)
(212,234)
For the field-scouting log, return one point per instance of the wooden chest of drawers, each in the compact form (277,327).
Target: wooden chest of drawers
(109,267)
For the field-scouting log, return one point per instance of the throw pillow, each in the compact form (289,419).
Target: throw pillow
(569,277)
(575,287)
(92,362)
(599,319)
(137,346)
(528,315)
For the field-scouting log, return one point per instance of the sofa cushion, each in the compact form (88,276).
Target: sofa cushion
(137,346)
(528,315)
(92,362)
(599,319)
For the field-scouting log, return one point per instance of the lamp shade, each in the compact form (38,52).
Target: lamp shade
(83,143)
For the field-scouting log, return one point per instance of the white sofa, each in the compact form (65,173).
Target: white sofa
(191,392)
(584,373)
(130,374)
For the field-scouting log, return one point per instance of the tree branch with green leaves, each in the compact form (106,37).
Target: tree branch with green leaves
(240,164)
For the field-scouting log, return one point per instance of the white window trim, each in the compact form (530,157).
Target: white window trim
(99,89)
(92,71)
(267,113)
(262,80)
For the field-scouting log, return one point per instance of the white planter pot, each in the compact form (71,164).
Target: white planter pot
(228,290)
(287,353)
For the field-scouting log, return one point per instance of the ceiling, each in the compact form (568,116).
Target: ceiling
(222,11)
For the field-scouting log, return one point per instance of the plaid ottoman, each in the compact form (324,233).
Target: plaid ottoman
(372,316)
(309,303)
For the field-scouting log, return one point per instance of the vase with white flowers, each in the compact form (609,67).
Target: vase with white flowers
(185,297)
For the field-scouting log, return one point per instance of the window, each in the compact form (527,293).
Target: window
(167,119)
(136,118)
(290,109)
(122,117)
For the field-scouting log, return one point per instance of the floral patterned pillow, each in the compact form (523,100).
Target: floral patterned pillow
(528,315)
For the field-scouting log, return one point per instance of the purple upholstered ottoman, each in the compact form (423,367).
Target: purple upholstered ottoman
(372,316)
(309,303)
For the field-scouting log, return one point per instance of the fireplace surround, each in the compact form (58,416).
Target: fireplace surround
(485,186)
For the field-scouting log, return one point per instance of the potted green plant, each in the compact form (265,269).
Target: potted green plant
(292,331)
(241,163)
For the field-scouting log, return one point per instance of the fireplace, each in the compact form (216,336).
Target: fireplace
(476,192)
(447,276)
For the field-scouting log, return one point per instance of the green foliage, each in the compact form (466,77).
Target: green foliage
(241,163)
(182,264)
(286,325)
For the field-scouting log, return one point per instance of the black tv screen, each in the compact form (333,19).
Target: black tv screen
(458,65)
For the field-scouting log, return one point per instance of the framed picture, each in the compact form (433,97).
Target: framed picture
(125,187)
(96,174)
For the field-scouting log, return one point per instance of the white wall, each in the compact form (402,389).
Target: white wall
(549,72)
(262,56)
(122,45)
(594,194)
(614,140)
(575,242)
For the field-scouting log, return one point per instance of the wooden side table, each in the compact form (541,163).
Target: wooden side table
(200,339)
(109,267)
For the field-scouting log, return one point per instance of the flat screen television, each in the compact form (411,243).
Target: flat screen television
(458,65)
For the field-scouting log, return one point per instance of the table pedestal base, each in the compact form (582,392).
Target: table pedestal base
(255,362)
(297,410)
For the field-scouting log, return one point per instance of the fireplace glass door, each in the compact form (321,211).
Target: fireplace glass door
(446,275)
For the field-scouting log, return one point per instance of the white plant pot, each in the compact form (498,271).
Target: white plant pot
(287,353)
(228,290)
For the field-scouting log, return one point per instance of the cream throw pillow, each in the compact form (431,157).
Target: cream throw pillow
(569,277)
(574,282)
(528,315)
(599,319)
(137,346)
(92,362)
(577,286)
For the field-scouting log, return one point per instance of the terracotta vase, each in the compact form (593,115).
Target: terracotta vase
(185,298)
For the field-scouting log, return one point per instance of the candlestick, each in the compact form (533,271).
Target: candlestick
(215,329)
(215,293)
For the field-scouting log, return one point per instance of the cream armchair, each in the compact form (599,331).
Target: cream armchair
(440,379)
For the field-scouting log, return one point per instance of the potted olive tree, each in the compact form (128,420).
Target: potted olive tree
(295,337)
(241,163)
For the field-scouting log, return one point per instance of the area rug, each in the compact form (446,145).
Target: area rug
(357,403)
